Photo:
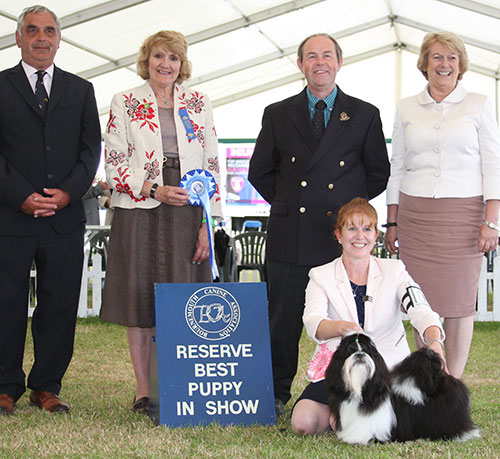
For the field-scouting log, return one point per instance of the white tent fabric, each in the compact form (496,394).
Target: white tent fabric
(244,51)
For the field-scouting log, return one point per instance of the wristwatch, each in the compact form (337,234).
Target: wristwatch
(152,191)
(491,225)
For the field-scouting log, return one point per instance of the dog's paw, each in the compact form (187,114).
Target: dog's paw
(469,435)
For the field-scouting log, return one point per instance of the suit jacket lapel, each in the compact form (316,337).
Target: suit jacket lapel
(344,286)
(298,110)
(339,119)
(20,82)
(373,283)
(59,85)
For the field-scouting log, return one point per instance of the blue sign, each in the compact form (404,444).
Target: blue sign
(211,358)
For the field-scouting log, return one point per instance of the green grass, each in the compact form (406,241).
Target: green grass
(99,385)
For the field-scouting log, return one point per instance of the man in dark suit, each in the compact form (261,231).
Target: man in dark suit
(49,151)
(316,151)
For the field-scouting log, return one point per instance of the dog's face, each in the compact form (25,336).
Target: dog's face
(355,362)
(359,366)
(358,382)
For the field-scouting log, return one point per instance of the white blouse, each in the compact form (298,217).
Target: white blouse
(447,149)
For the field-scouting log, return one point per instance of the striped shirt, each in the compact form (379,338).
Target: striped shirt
(329,101)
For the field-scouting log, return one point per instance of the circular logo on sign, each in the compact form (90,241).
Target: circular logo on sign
(212,313)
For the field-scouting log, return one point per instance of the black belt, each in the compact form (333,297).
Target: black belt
(174,163)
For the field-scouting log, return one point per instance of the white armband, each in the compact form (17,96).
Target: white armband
(412,297)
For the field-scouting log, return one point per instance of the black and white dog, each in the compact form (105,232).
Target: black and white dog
(359,385)
(418,399)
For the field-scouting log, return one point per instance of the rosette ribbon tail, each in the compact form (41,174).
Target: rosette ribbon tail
(205,202)
(201,187)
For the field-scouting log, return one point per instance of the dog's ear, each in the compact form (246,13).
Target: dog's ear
(333,378)
(380,363)
(431,374)
(378,387)
(333,375)
(334,381)
(425,368)
(367,343)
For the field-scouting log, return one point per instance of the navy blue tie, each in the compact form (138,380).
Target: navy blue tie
(318,120)
(41,93)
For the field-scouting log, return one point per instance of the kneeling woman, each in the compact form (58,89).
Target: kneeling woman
(358,292)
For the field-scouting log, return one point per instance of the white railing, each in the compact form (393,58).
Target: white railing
(91,289)
(488,295)
(92,284)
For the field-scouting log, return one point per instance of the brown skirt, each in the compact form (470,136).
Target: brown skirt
(147,246)
(438,244)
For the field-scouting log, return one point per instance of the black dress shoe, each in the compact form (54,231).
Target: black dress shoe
(279,407)
(141,406)
(6,404)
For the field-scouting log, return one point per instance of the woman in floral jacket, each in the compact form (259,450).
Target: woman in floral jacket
(155,134)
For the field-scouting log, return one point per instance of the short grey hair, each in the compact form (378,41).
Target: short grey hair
(36,9)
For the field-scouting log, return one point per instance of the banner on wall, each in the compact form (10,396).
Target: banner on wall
(211,358)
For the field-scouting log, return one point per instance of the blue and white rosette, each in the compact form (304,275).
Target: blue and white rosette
(201,187)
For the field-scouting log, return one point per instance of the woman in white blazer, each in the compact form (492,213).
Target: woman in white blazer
(155,134)
(444,189)
(362,293)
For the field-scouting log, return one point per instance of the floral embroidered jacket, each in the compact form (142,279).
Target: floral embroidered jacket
(133,144)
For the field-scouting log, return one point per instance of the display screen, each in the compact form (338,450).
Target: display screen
(242,199)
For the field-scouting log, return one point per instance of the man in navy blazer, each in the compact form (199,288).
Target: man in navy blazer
(316,151)
(50,145)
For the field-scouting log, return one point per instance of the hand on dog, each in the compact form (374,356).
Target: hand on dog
(438,349)
(350,327)
(328,329)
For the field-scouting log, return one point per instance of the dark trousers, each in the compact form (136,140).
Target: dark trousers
(59,262)
(286,291)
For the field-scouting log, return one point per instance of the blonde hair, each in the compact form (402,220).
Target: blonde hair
(452,41)
(356,206)
(175,42)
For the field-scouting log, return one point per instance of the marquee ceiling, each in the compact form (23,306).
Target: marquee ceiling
(240,48)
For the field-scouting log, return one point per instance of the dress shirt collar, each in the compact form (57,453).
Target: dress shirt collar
(32,76)
(455,96)
(329,99)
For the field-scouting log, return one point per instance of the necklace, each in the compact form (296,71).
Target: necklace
(359,292)
(164,101)
(357,289)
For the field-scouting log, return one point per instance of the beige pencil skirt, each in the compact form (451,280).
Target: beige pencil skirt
(438,244)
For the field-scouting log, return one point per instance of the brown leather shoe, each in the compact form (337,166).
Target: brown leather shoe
(6,404)
(48,401)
